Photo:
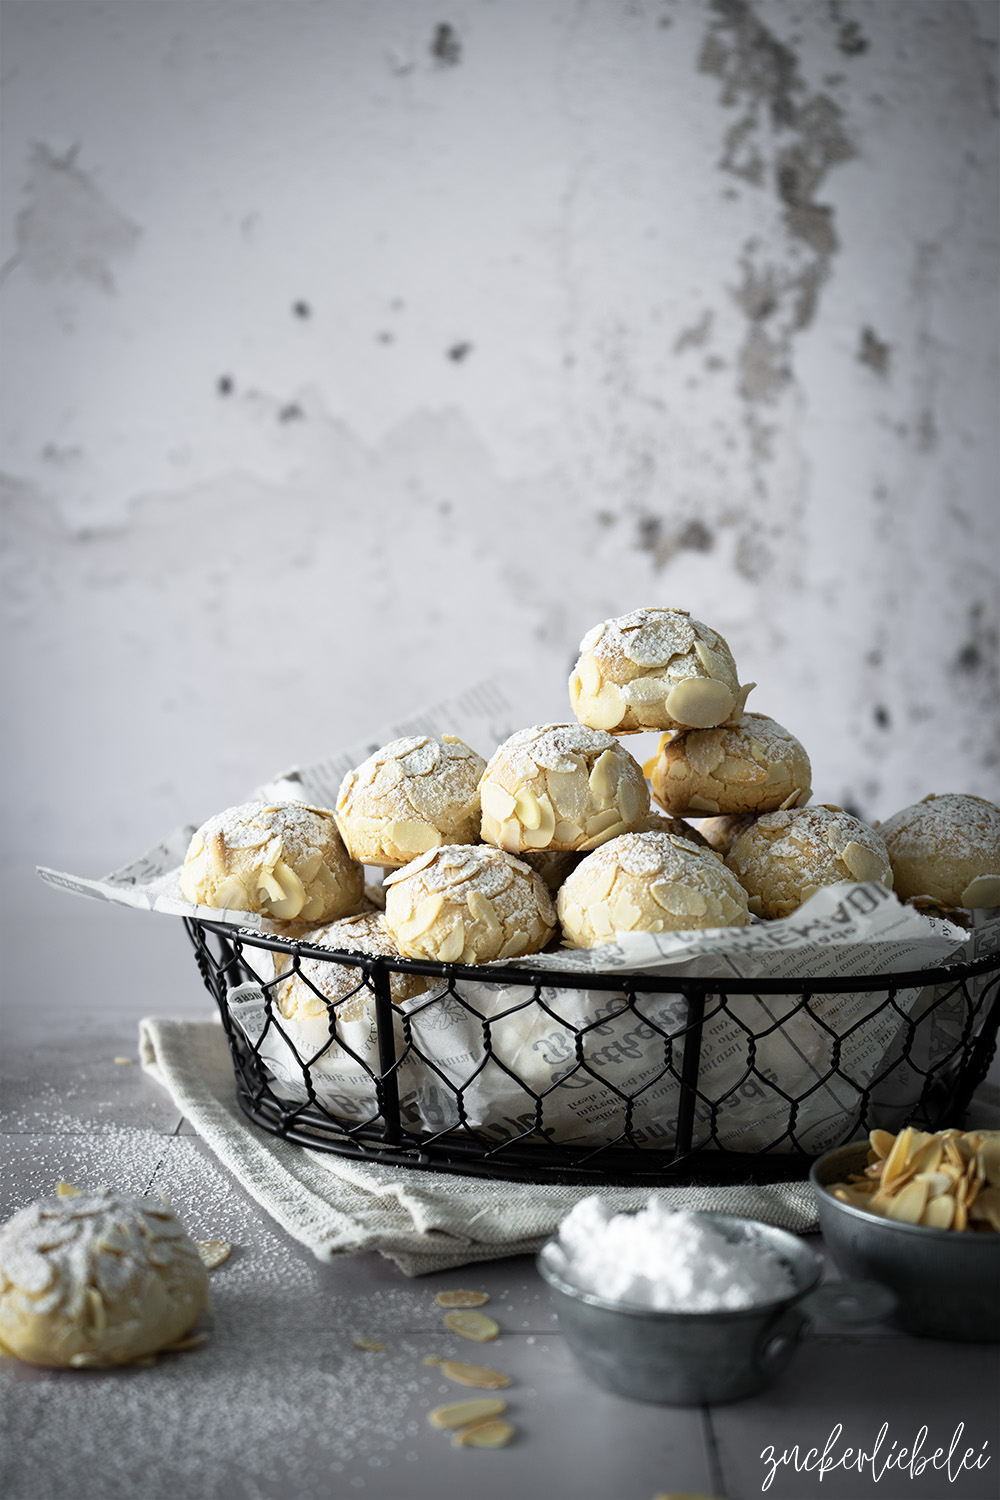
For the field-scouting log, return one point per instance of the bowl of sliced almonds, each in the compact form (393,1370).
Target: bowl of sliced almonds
(919,1213)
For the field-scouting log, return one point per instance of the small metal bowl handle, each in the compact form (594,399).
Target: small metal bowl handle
(778,1341)
(849,1303)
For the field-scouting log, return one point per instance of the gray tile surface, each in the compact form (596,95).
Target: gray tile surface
(280,1402)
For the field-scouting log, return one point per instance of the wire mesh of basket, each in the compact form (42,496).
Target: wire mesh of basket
(597,1077)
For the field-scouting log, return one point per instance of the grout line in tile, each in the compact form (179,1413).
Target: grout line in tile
(156,1170)
(713,1454)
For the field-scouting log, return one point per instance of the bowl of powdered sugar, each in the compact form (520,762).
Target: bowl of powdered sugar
(683,1307)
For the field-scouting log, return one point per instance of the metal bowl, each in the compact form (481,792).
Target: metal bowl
(945,1281)
(685,1359)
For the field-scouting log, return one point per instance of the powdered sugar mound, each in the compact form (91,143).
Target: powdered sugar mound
(671,1259)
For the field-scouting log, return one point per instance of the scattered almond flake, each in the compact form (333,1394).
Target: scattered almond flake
(124,1059)
(475,1375)
(432,1359)
(181,1346)
(464,1413)
(472,1325)
(367,1346)
(66,1190)
(679,1495)
(682,1495)
(461,1299)
(491,1434)
(214,1252)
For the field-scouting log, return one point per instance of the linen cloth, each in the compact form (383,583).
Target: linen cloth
(421,1220)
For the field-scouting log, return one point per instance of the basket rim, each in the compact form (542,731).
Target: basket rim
(634,979)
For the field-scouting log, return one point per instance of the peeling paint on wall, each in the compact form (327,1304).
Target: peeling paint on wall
(784,141)
(68,229)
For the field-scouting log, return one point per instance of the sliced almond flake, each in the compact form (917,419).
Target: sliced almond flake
(182,1346)
(678,1495)
(475,1375)
(213,1252)
(472,1325)
(490,1434)
(367,1346)
(432,1359)
(461,1299)
(121,1060)
(66,1190)
(463,1413)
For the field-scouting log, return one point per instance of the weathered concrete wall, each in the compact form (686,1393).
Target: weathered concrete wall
(355,348)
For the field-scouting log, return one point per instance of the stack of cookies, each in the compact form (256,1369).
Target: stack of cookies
(556,837)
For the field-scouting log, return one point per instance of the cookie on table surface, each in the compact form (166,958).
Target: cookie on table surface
(648,882)
(560,786)
(655,669)
(468,904)
(97,1279)
(786,857)
(412,795)
(283,859)
(753,766)
(945,850)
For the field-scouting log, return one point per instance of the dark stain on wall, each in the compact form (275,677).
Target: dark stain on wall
(979,655)
(785,138)
(654,534)
(301,309)
(225,385)
(850,38)
(446,46)
(873,352)
(459,351)
(67,229)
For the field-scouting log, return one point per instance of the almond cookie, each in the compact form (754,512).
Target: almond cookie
(658,822)
(655,669)
(317,987)
(553,865)
(945,851)
(648,882)
(412,795)
(721,833)
(560,786)
(283,859)
(97,1279)
(786,857)
(752,766)
(468,904)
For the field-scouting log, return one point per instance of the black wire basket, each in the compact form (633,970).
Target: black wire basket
(940,1050)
